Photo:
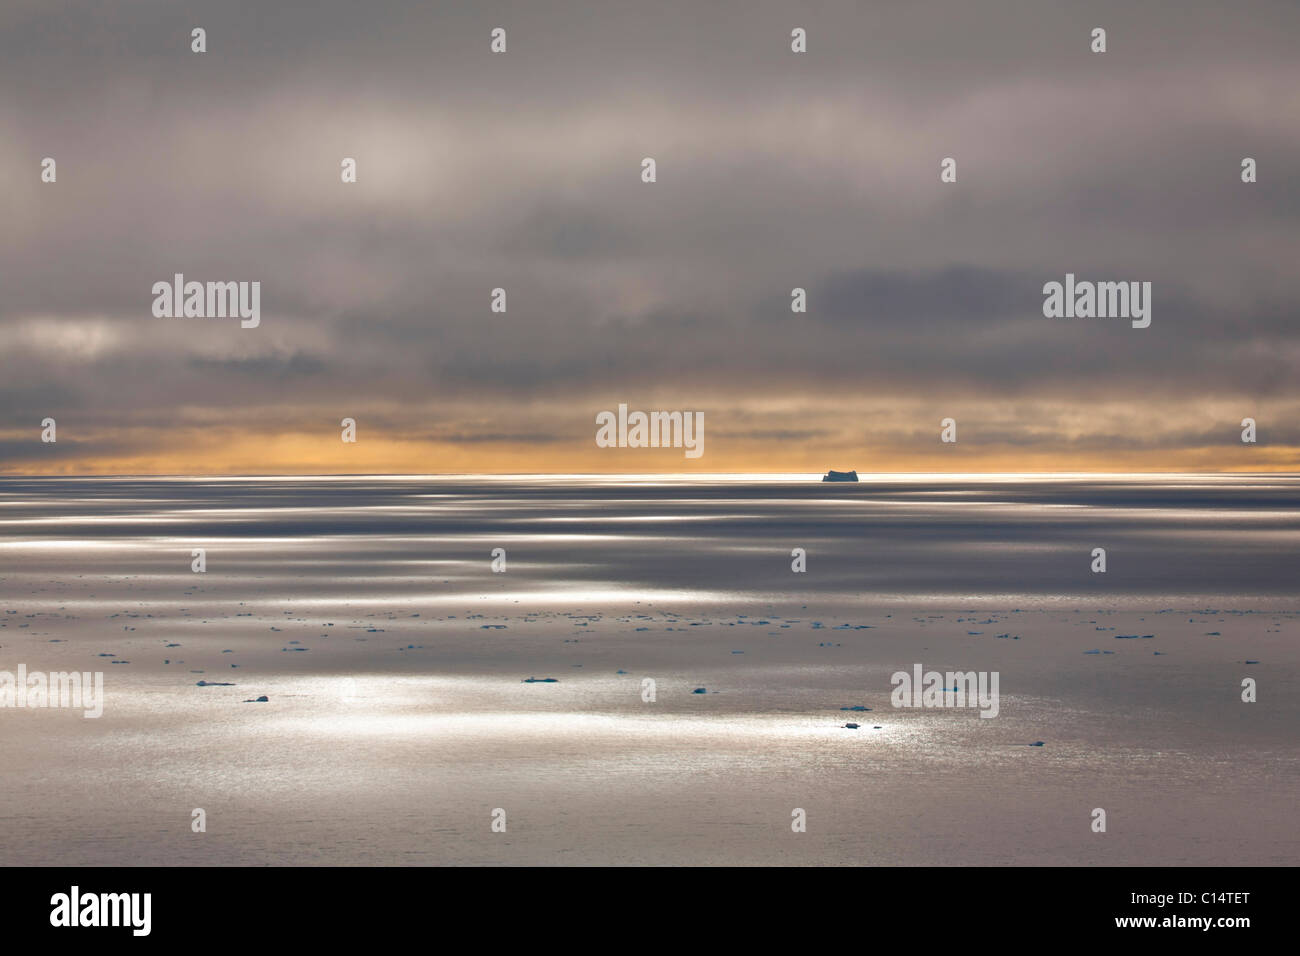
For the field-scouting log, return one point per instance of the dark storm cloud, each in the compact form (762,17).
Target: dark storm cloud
(34,400)
(69,449)
(947,296)
(522,171)
(262,365)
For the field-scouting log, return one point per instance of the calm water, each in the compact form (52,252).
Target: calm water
(1197,541)
(393,660)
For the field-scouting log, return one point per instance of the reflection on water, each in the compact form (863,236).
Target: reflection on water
(394,663)
(888,540)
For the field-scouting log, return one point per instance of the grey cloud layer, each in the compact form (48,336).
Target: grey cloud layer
(522,171)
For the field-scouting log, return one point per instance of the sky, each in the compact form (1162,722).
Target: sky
(522,170)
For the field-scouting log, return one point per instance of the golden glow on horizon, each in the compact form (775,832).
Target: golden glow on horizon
(799,432)
(322,453)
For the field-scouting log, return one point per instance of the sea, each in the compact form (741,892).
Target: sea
(652,670)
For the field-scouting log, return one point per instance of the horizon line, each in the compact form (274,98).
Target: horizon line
(642,476)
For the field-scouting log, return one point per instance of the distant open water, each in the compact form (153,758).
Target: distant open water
(1170,541)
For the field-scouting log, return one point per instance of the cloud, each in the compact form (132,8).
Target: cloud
(521,171)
